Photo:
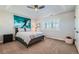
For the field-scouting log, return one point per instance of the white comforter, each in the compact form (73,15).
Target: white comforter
(27,36)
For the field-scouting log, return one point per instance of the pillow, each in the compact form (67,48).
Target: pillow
(21,30)
(26,29)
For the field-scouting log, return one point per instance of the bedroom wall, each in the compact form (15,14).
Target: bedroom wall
(66,26)
(7,23)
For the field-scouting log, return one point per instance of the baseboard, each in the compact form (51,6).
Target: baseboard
(54,38)
(1,41)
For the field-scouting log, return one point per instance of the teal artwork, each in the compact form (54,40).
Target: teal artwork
(22,22)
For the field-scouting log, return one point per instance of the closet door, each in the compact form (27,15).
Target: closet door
(77,27)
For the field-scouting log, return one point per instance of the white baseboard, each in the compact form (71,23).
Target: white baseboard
(1,41)
(55,38)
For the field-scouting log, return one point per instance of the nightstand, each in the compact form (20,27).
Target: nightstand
(7,38)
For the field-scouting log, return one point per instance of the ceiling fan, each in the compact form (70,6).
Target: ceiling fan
(36,7)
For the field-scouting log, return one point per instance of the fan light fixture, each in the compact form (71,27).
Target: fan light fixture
(36,7)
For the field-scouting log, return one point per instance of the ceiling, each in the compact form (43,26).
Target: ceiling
(48,10)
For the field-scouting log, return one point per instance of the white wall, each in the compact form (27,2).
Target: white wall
(66,26)
(7,23)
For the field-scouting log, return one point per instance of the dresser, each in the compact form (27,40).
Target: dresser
(7,38)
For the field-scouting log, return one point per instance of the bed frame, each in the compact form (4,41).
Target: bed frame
(32,42)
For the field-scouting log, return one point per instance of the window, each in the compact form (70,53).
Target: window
(50,24)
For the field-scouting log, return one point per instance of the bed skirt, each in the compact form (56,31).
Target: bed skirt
(33,41)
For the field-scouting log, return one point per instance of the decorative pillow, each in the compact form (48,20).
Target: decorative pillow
(26,29)
(21,30)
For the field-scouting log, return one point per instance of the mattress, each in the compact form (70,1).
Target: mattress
(28,36)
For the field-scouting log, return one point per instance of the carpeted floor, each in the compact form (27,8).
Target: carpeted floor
(48,46)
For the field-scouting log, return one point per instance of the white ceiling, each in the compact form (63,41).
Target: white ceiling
(48,10)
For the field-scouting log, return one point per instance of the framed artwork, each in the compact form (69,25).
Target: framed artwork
(22,22)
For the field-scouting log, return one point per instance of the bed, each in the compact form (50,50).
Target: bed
(29,38)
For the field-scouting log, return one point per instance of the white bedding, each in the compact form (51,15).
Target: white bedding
(27,36)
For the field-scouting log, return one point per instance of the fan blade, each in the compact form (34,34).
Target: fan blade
(36,6)
(30,7)
(41,7)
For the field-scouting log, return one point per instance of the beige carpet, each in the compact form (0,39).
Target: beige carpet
(48,46)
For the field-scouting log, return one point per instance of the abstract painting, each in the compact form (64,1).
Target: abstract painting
(22,22)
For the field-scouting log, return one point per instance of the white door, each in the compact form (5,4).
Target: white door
(77,28)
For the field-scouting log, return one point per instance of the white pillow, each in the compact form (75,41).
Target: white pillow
(27,29)
(21,30)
